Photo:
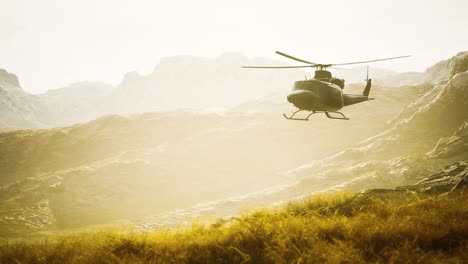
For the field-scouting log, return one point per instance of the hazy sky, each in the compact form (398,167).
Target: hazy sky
(51,43)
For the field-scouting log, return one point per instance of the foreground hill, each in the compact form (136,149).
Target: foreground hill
(422,223)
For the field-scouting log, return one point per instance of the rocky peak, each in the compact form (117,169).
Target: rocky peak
(8,79)
(446,69)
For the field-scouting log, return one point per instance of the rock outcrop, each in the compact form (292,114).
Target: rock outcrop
(452,178)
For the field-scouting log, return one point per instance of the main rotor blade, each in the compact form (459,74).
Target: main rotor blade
(339,68)
(358,62)
(293,58)
(276,67)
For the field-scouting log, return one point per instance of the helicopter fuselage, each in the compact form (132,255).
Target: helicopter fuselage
(324,93)
(316,95)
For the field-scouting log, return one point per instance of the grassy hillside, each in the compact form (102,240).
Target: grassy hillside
(377,226)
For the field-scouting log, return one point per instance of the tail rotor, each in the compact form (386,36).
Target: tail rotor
(367,73)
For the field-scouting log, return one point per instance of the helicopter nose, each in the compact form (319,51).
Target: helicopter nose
(302,98)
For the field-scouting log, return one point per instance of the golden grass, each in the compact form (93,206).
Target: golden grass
(343,228)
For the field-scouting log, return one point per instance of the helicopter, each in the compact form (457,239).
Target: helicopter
(323,93)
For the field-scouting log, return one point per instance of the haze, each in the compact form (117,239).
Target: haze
(130,133)
(50,44)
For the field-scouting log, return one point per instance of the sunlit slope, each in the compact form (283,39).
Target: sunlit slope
(248,127)
(128,167)
(29,152)
(427,135)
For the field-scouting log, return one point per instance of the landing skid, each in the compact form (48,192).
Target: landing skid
(300,119)
(342,117)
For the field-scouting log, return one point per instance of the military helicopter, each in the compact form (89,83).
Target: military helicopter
(323,93)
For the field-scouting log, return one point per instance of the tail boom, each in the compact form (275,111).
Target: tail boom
(350,99)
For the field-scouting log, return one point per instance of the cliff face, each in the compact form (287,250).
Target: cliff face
(439,73)
(426,136)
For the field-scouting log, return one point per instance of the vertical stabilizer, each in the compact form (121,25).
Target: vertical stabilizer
(367,89)
(369,83)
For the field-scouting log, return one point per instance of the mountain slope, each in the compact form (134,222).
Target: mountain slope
(130,167)
(76,103)
(134,168)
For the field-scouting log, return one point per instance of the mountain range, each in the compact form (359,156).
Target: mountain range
(179,82)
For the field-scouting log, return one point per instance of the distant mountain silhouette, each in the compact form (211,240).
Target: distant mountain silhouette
(76,103)
(199,83)
(179,82)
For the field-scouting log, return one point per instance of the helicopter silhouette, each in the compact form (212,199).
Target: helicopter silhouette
(323,93)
